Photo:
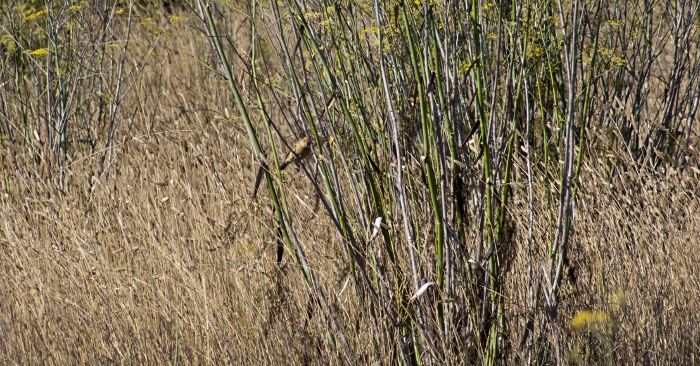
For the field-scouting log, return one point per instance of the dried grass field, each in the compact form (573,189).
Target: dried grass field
(564,229)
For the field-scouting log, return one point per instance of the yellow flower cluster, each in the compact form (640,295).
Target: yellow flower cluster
(589,318)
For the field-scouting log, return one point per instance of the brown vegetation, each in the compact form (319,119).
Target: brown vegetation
(162,256)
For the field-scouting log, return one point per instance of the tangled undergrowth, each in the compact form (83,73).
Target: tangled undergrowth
(510,183)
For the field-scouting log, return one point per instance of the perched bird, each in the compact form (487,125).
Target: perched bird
(302,150)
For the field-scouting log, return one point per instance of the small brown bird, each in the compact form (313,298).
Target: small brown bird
(302,150)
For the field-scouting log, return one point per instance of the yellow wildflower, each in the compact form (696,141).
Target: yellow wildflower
(589,318)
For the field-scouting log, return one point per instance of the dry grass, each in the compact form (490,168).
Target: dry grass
(634,255)
(169,261)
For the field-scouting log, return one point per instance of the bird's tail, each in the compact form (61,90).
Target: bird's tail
(258,180)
